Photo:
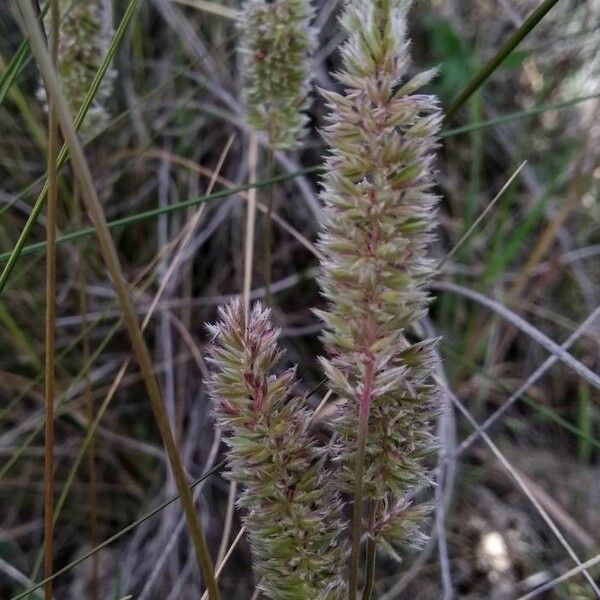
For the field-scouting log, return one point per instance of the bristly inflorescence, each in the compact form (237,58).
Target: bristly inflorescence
(277,43)
(85,33)
(290,516)
(379,216)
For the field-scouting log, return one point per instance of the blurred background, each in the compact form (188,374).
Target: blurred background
(177,122)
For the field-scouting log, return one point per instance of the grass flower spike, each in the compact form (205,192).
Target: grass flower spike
(290,518)
(380,213)
(86,29)
(277,43)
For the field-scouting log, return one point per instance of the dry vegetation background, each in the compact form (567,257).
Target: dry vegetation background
(176,118)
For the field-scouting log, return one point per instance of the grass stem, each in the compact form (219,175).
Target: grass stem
(111,259)
(268,239)
(361,446)
(51,224)
(88,397)
(363,424)
(250,220)
(248,269)
(371,555)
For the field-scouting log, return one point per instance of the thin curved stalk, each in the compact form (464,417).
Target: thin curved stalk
(520,323)
(268,238)
(592,562)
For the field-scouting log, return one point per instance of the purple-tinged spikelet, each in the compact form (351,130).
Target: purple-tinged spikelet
(291,519)
(380,213)
(85,32)
(277,43)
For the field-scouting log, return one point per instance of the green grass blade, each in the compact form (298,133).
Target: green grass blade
(17,64)
(516,116)
(149,214)
(510,245)
(488,69)
(21,249)
(64,153)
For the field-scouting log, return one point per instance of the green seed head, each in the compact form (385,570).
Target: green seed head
(85,32)
(290,515)
(379,216)
(277,44)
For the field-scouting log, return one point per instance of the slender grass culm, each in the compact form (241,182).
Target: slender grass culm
(30,28)
(50,322)
(290,513)
(379,217)
(83,31)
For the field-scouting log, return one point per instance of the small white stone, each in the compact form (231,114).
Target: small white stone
(492,553)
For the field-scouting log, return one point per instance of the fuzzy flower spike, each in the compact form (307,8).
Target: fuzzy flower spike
(86,29)
(289,517)
(277,43)
(380,213)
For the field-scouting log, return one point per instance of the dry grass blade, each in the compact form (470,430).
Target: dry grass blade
(592,562)
(250,220)
(445,477)
(213,8)
(14,573)
(520,323)
(118,535)
(248,268)
(482,216)
(521,483)
(89,400)
(227,556)
(172,541)
(111,259)
(531,380)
